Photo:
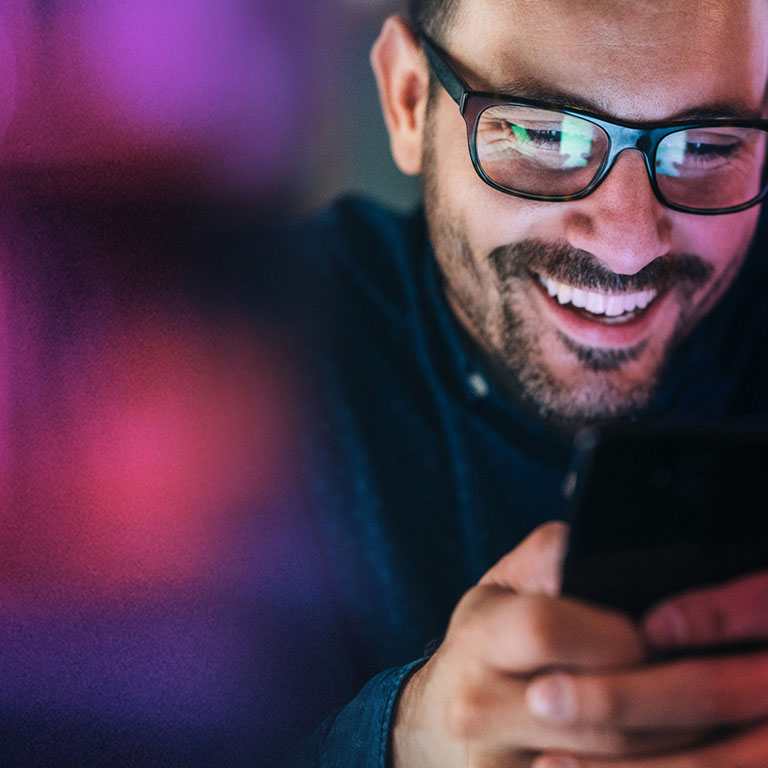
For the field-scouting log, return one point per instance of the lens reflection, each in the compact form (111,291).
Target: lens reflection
(553,154)
(711,168)
(538,151)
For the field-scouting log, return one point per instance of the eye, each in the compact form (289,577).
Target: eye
(702,149)
(546,138)
(541,138)
(705,149)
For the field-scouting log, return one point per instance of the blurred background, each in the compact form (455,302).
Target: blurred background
(147,423)
(244,99)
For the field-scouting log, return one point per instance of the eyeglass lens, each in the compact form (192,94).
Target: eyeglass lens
(550,153)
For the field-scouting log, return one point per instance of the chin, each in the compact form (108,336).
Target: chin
(595,407)
(601,389)
(601,402)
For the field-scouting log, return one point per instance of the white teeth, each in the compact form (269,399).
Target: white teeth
(609,304)
(595,303)
(578,298)
(615,306)
(645,298)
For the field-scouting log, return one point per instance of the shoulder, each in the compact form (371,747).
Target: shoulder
(358,255)
(352,222)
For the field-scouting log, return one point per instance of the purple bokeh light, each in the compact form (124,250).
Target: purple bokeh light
(216,85)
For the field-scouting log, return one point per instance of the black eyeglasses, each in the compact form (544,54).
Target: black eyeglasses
(553,153)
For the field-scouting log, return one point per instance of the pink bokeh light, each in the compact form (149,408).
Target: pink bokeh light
(161,435)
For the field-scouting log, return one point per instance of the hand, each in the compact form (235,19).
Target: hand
(469,706)
(700,693)
(731,613)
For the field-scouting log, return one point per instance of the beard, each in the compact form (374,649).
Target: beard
(490,294)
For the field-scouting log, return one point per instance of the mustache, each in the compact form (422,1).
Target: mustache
(566,264)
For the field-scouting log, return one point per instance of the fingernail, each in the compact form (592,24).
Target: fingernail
(552,698)
(668,626)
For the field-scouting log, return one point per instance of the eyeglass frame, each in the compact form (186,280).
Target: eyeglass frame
(622,135)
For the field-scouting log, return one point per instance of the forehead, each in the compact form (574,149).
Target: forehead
(636,59)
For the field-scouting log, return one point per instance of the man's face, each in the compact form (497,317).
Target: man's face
(637,61)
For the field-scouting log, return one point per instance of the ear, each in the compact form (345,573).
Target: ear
(403,80)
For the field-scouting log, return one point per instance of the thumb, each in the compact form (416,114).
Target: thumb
(535,565)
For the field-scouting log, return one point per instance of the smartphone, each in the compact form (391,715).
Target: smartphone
(657,511)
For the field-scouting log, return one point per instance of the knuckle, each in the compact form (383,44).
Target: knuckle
(467,605)
(608,703)
(467,615)
(480,616)
(475,603)
(538,627)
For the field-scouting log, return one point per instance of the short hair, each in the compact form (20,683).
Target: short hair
(431,15)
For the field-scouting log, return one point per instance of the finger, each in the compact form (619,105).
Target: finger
(523,633)
(699,693)
(483,757)
(747,750)
(491,714)
(729,613)
(535,565)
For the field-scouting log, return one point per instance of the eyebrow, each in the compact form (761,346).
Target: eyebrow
(536,91)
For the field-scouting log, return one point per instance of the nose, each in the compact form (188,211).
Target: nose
(621,223)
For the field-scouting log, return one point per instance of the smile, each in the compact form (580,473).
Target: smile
(603,319)
(610,308)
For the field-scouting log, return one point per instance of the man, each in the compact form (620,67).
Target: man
(585,260)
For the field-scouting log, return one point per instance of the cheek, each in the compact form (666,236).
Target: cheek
(723,241)
(485,217)
(493,218)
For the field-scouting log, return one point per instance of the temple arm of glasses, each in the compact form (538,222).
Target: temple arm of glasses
(457,89)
